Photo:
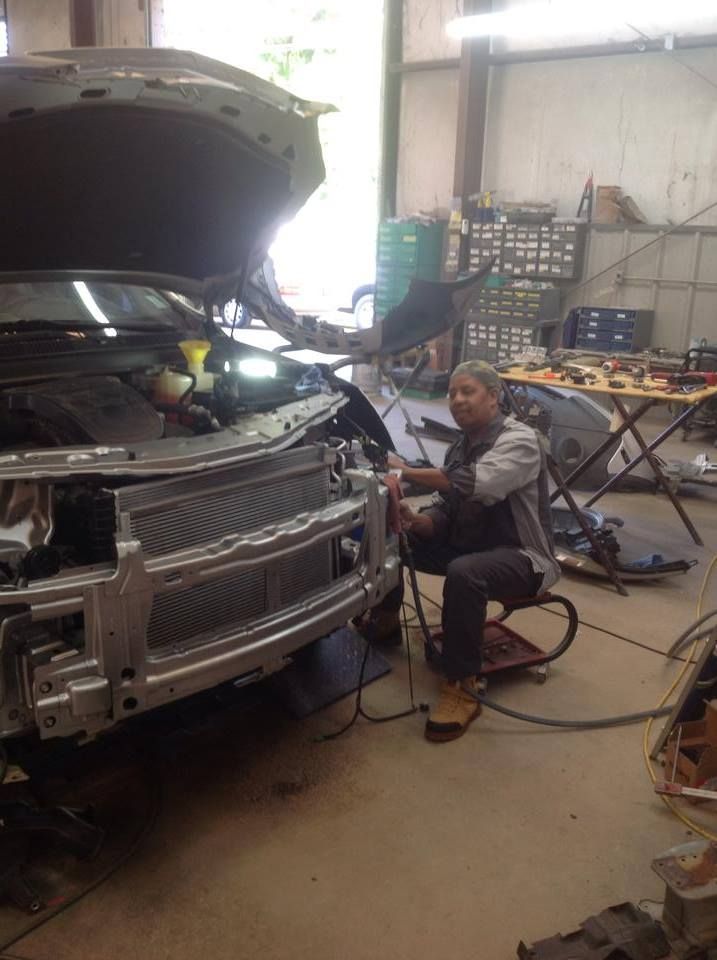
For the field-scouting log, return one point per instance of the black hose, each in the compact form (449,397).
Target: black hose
(192,386)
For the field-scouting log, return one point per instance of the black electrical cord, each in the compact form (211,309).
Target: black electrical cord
(358,706)
(191,388)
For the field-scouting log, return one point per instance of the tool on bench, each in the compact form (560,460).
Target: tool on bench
(619,366)
(687,381)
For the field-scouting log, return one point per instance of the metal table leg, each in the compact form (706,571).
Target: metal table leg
(656,469)
(562,490)
(646,452)
(606,444)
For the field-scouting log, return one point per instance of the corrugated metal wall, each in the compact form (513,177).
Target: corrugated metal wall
(676,277)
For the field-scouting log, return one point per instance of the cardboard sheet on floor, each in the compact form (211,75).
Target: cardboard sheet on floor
(326,672)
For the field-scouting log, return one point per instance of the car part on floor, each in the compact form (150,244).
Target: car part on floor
(689,915)
(686,929)
(623,931)
(575,552)
(578,425)
(697,471)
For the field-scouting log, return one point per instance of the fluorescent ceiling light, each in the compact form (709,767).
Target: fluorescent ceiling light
(554,17)
(92,307)
(256,367)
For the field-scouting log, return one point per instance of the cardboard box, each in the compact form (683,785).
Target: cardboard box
(607,207)
(697,758)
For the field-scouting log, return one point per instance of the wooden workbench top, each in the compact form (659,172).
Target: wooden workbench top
(518,374)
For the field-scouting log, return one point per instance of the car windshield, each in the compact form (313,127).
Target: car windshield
(102,307)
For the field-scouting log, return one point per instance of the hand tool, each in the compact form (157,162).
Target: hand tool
(678,790)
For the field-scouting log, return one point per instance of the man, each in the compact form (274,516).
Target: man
(488,531)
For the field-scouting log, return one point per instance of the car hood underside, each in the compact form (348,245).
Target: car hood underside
(159,166)
(172,170)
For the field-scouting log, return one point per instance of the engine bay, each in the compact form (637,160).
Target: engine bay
(46,527)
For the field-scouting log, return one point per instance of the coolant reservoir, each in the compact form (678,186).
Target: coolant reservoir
(195,352)
(169,386)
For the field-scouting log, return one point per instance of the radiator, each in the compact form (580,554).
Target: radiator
(194,615)
(180,513)
(176,514)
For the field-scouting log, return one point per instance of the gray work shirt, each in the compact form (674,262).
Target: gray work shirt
(498,496)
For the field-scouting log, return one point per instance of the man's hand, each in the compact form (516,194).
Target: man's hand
(417,523)
(394,462)
(407,516)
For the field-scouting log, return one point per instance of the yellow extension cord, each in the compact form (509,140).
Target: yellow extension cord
(648,726)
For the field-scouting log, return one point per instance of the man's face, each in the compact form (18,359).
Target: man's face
(472,405)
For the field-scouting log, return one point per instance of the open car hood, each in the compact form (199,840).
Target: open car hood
(168,169)
(157,167)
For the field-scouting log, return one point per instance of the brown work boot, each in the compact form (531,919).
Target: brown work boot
(455,710)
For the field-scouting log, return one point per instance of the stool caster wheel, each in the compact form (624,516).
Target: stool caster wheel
(542,673)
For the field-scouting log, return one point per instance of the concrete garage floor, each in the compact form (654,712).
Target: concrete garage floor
(379,844)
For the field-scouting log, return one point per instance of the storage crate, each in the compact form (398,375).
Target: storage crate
(405,251)
(613,329)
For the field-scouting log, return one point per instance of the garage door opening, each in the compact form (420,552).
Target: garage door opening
(327,51)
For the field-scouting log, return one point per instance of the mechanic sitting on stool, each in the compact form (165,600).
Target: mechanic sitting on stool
(488,531)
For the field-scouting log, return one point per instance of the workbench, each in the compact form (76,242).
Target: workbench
(518,375)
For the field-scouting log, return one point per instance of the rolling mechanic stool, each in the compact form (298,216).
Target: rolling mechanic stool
(505,649)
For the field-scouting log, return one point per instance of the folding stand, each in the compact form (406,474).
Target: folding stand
(397,401)
(562,489)
(693,402)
